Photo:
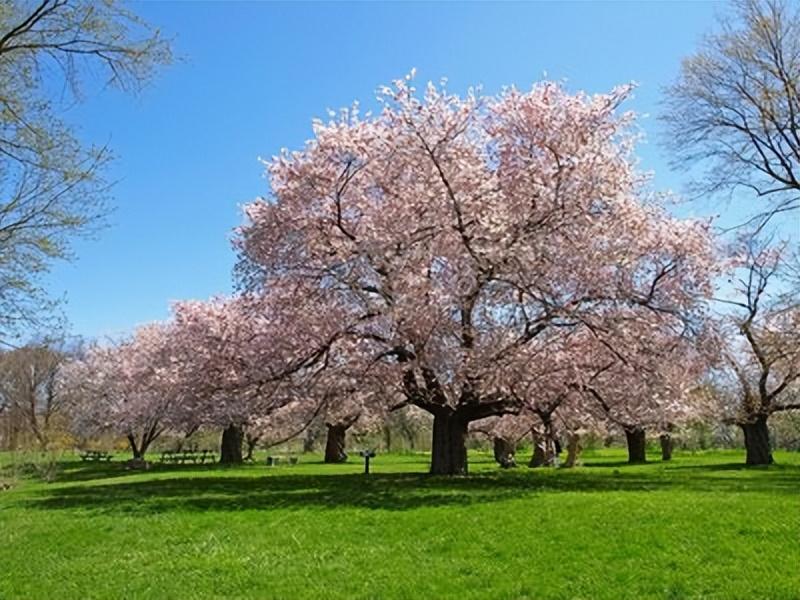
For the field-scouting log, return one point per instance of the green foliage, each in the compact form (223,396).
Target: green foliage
(51,186)
(702,526)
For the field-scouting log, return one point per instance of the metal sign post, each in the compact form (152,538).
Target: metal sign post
(367,454)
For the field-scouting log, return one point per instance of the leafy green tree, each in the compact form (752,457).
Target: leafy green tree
(52,187)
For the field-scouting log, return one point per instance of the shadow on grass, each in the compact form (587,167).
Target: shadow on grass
(739,466)
(79,471)
(76,471)
(607,463)
(218,491)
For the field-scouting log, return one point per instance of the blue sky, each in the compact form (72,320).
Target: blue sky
(253,75)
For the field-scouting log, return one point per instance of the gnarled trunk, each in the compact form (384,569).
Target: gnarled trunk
(449,450)
(251,441)
(140,448)
(230,452)
(543,452)
(635,438)
(573,450)
(334,446)
(756,441)
(135,449)
(545,446)
(666,446)
(504,452)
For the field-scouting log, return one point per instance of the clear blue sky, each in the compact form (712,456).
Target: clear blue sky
(255,74)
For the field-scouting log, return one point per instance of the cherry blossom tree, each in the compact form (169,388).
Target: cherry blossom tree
(243,358)
(647,381)
(453,233)
(543,380)
(504,432)
(360,397)
(130,388)
(229,362)
(281,425)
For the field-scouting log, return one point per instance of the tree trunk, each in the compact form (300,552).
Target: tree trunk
(334,446)
(387,437)
(251,441)
(543,453)
(573,450)
(310,438)
(137,452)
(409,434)
(449,450)
(756,441)
(504,452)
(636,445)
(230,452)
(666,446)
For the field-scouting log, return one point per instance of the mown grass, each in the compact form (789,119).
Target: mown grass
(702,526)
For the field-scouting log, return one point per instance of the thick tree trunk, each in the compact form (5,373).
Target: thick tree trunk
(504,452)
(636,445)
(449,450)
(756,441)
(230,452)
(666,446)
(334,446)
(573,450)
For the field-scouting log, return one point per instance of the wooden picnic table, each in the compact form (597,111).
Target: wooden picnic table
(94,455)
(275,460)
(184,456)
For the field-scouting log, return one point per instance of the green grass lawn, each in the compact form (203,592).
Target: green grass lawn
(702,526)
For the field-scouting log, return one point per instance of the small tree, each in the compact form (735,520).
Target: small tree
(243,359)
(29,386)
(130,388)
(645,381)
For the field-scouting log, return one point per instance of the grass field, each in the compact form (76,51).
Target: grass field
(702,526)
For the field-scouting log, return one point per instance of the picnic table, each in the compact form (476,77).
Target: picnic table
(184,456)
(275,460)
(94,455)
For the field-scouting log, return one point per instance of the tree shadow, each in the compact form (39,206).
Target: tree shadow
(608,463)
(739,466)
(77,471)
(393,492)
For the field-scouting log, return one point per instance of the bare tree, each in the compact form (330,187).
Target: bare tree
(51,186)
(735,106)
(29,387)
(765,364)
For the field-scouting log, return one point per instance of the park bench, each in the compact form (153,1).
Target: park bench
(183,456)
(275,460)
(94,455)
